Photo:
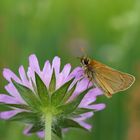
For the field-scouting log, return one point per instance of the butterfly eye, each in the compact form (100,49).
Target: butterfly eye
(86,61)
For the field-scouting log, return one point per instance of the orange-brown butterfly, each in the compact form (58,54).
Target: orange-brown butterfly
(108,79)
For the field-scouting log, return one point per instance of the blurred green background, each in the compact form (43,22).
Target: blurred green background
(110,32)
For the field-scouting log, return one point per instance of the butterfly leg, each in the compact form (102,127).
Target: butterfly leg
(89,83)
(90,77)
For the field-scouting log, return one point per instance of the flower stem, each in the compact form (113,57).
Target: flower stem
(48,126)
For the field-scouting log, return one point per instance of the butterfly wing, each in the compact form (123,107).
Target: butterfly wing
(111,80)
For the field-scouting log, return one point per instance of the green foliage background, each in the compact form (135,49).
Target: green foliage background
(109,30)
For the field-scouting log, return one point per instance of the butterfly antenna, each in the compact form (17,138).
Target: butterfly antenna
(83,50)
(84,53)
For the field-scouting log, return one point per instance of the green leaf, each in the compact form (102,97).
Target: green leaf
(28,95)
(42,90)
(69,123)
(58,95)
(72,106)
(26,117)
(52,83)
(36,127)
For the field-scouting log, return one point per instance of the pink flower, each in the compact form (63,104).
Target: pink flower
(53,79)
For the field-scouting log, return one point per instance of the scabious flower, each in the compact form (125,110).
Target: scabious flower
(49,101)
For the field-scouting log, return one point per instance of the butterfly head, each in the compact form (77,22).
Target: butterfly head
(85,61)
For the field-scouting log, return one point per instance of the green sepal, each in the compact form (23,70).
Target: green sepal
(26,117)
(69,93)
(21,106)
(52,83)
(80,111)
(59,94)
(36,127)
(55,137)
(69,123)
(34,86)
(42,90)
(4,107)
(57,130)
(29,97)
(72,106)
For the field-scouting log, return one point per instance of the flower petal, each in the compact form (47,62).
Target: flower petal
(90,97)
(41,134)
(85,116)
(10,88)
(81,120)
(26,130)
(81,86)
(66,70)
(9,114)
(85,125)
(63,76)
(56,64)
(33,63)
(31,74)
(8,74)
(47,73)
(96,107)
(77,73)
(8,99)
(23,77)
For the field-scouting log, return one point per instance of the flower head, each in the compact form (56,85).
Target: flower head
(37,93)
